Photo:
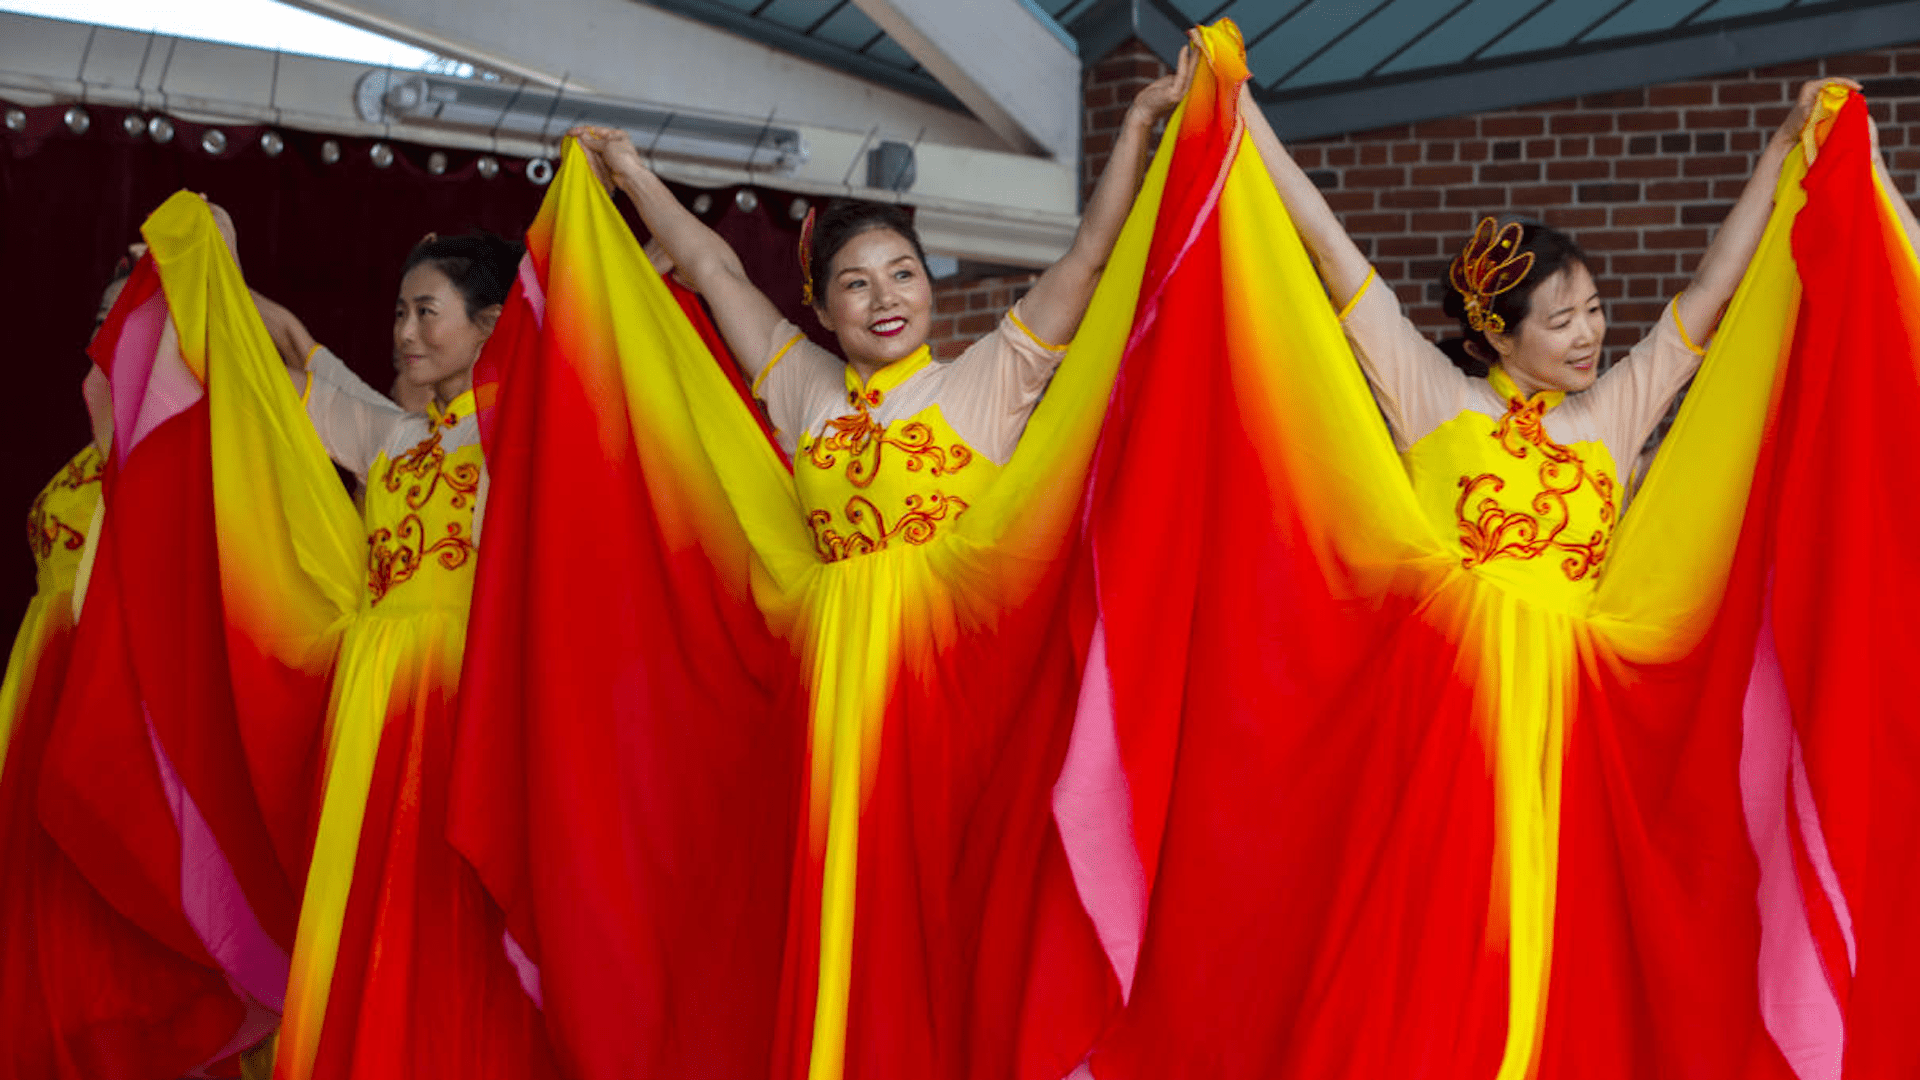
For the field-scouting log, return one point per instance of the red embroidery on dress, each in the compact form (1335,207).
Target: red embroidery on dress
(45,530)
(866,441)
(917,525)
(395,555)
(1494,532)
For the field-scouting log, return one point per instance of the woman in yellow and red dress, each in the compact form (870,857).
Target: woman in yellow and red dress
(1473,780)
(398,968)
(924,862)
(87,992)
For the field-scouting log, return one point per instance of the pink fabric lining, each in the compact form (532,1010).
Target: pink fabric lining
(1796,1000)
(150,384)
(530,288)
(525,968)
(1094,811)
(211,898)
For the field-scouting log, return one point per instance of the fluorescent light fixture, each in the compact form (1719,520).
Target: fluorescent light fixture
(386,96)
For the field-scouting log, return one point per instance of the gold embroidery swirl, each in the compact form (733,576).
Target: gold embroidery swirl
(1492,531)
(45,529)
(917,525)
(395,555)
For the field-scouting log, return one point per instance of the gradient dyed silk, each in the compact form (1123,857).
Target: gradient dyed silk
(88,993)
(752,813)
(1343,807)
(179,773)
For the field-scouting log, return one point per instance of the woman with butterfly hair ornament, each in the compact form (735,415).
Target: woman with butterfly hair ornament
(1470,771)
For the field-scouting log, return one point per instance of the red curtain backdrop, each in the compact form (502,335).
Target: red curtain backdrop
(327,240)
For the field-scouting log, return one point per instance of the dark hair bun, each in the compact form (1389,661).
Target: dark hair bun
(478,263)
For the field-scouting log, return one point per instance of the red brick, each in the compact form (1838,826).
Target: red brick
(1442,221)
(1677,190)
(1747,141)
(1650,120)
(1609,146)
(1441,151)
(1617,99)
(1682,239)
(1729,189)
(1680,94)
(1508,127)
(1805,69)
(1610,240)
(1375,223)
(948,303)
(1761,92)
(1410,198)
(1638,216)
(1511,172)
(1581,123)
(1408,245)
(1373,154)
(1098,142)
(982,323)
(1671,286)
(1704,213)
(1388,133)
(1874,63)
(1475,150)
(940,328)
(1716,118)
(1575,146)
(1441,174)
(1390,176)
(1769,116)
(1611,288)
(1655,168)
(979,300)
(1637,311)
(1643,286)
(1660,262)
(1453,127)
(1907,112)
(1581,169)
(1591,193)
(1542,194)
(1542,148)
(1346,202)
(1406,153)
(1907,60)
(1340,155)
(1715,164)
(1390,268)
(1477,197)
(1307,157)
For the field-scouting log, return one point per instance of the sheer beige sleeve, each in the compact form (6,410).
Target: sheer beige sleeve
(353,419)
(1417,387)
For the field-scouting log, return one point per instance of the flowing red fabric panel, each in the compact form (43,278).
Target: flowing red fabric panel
(596,825)
(1843,587)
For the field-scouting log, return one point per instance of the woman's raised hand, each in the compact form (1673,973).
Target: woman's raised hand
(1160,97)
(1804,104)
(610,153)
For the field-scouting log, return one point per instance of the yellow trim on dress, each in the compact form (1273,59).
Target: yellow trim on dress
(1508,390)
(306,394)
(1354,300)
(765,371)
(873,390)
(1013,317)
(1685,338)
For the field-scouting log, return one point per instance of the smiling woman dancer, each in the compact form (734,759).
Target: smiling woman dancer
(925,846)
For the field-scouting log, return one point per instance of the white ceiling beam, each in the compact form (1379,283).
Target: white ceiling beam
(629,50)
(1014,71)
(984,205)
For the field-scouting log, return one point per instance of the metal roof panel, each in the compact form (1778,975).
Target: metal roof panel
(1459,35)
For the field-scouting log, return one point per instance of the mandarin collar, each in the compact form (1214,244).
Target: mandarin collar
(1504,386)
(870,393)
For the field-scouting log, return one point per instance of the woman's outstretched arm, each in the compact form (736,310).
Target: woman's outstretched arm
(1726,258)
(1342,265)
(1055,305)
(744,314)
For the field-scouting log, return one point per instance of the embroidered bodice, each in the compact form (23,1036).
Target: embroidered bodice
(420,507)
(1522,509)
(57,522)
(867,485)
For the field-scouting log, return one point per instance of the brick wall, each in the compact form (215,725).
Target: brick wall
(1639,177)
(966,310)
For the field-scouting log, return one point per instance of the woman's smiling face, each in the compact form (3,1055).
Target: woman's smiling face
(434,341)
(1557,346)
(877,299)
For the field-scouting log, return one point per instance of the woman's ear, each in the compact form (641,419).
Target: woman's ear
(1481,353)
(486,317)
(1502,342)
